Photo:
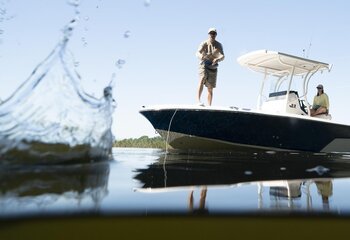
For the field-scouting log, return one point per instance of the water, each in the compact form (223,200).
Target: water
(145,182)
(51,119)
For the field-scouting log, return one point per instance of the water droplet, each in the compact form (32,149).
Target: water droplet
(283,168)
(113,77)
(86,18)
(127,34)
(107,92)
(76,64)
(74,3)
(120,63)
(10,17)
(147,3)
(2,11)
(84,41)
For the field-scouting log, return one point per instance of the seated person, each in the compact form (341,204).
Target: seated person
(321,102)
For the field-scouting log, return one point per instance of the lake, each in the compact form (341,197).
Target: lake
(150,183)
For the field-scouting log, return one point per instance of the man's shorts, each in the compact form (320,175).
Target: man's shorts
(208,76)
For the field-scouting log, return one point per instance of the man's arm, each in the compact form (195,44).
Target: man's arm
(219,56)
(200,52)
(222,55)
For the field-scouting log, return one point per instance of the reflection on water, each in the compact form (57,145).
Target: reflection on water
(39,188)
(287,194)
(50,118)
(201,209)
(239,167)
(284,181)
(148,181)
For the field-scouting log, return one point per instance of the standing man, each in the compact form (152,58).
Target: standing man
(210,52)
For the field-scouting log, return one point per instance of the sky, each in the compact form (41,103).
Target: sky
(149,46)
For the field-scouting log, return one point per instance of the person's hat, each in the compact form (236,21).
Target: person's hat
(319,86)
(212,30)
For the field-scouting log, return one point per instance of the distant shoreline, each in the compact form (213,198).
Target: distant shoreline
(142,142)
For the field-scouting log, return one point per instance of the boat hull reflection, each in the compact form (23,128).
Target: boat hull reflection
(197,170)
(285,181)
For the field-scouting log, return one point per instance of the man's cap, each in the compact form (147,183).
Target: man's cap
(212,30)
(319,86)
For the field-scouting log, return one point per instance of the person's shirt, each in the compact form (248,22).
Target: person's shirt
(209,51)
(321,100)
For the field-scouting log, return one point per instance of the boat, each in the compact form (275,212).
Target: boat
(280,122)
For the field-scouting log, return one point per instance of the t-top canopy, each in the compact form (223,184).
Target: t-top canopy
(280,64)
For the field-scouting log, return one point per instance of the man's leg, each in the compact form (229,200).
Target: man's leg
(202,80)
(200,90)
(210,95)
(212,74)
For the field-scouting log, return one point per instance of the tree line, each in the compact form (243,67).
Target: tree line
(142,142)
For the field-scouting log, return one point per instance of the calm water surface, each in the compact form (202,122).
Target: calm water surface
(148,181)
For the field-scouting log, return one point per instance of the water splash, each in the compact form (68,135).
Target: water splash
(50,119)
(120,63)
(3,18)
(83,40)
